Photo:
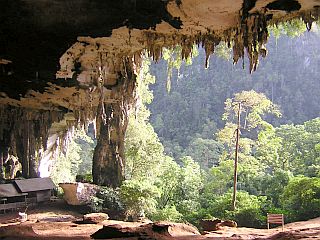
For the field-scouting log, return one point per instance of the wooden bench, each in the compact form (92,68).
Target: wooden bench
(275,219)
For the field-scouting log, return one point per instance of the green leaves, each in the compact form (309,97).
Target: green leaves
(293,28)
(254,106)
(250,210)
(301,197)
(139,197)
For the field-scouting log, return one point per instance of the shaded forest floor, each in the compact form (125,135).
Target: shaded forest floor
(60,221)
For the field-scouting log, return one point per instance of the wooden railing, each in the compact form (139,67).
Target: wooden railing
(275,219)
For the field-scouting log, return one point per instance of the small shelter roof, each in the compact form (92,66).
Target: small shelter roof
(34,184)
(9,190)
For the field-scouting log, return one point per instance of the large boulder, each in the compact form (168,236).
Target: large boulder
(216,224)
(95,218)
(78,193)
(210,224)
(158,230)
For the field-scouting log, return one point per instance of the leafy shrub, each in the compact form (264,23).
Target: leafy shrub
(85,178)
(169,213)
(301,198)
(249,212)
(138,197)
(106,200)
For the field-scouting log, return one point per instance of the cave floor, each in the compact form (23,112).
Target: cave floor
(57,220)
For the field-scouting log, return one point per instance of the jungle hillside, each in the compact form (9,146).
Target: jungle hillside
(181,138)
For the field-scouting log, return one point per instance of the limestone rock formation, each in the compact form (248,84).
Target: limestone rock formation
(80,58)
(78,193)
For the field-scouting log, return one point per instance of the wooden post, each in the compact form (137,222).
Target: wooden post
(235,175)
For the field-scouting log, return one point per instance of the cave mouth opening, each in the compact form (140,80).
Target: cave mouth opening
(172,69)
(108,76)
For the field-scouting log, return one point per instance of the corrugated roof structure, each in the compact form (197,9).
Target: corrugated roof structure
(9,190)
(34,184)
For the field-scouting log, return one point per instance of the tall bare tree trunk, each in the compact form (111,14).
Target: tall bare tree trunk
(235,174)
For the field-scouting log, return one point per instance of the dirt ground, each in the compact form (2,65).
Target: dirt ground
(59,221)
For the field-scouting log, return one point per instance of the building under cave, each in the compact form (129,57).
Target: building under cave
(65,63)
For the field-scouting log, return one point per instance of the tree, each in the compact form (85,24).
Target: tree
(272,185)
(254,106)
(301,198)
(299,150)
(293,28)
(250,210)
(268,150)
(143,150)
(139,197)
(206,152)
(76,160)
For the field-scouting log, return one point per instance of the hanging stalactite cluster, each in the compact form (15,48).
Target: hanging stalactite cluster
(23,132)
(249,38)
(105,70)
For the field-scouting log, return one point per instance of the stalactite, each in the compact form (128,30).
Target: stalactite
(24,133)
(249,38)
(107,88)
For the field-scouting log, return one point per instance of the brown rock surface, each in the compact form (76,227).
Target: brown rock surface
(95,218)
(11,228)
(158,230)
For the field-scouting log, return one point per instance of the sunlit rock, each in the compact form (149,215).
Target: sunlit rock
(78,193)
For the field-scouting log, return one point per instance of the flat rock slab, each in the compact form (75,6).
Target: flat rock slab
(64,218)
(209,225)
(95,218)
(158,230)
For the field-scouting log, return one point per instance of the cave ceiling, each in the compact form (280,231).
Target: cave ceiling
(51,49)
(60,59)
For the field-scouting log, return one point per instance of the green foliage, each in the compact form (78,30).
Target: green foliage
(219,179)
(179,186)
(86,178)
(139,197)
(106,200)
(66,165)
(168,182)
(76,160)
(250,210)
(253,106)
(268,149)
(293,28)
(288,76)
(174,60)
(292,147)
(301,198)
(206,152)
(86,143)
(273,185)
(222,50)
(188,190)
(143,150)
(169,213)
